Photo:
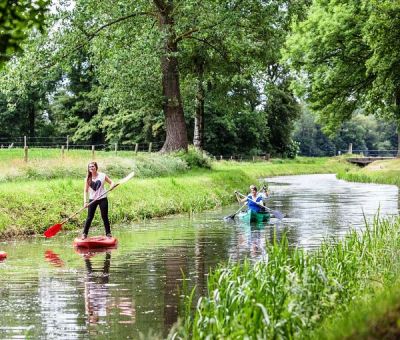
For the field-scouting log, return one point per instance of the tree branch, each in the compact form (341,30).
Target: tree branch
(92,35)
(116,21)
(223,54)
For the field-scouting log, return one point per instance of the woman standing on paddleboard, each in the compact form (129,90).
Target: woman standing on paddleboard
(94,185)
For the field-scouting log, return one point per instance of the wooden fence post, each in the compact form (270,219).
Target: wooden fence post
(350,148)
(26,154)
(116,148)
(25,144)
(67,143)
(136,147)
(93,147)
(150,146)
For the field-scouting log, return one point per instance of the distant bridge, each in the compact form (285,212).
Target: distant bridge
(363,161)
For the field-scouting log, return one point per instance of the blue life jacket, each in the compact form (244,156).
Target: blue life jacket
(252,205)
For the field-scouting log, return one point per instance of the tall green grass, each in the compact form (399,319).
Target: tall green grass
(48,164)
(375,317)
(290,293)
(386,177)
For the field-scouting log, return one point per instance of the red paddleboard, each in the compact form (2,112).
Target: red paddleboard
(3,255)
(95,242)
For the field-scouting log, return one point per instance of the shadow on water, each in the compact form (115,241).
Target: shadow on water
(49,290)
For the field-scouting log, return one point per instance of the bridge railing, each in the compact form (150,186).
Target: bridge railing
(371,153)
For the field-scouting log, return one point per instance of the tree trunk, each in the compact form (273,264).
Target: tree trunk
(398,139)
(175,125)
(397,115)
(31,120)
(198,136)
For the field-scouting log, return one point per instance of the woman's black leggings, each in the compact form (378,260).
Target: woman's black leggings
(103,204)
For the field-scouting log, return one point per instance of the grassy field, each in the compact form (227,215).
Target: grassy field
(48,164)
(48,189)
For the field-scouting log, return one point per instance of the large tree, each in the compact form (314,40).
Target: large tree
(139,51)
(347,57)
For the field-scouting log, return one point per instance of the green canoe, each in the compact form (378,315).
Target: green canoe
(251,216)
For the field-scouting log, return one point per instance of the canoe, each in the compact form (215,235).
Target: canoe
(251,216)
(95,242)
(3,255)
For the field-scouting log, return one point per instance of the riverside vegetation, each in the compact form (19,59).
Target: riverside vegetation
(382,172)
(291,292)
(347,288)
(47,189)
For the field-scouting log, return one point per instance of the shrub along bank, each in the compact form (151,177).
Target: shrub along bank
(31,205)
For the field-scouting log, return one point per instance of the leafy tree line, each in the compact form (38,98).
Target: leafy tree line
(365,133)
(346,54)
(208,73)
(170,71)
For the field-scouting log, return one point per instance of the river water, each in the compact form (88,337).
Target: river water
(50,290)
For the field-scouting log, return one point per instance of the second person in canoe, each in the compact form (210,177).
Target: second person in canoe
(254,200)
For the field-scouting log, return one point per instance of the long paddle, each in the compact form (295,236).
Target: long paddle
(231,217)
(54,229)
(279,215)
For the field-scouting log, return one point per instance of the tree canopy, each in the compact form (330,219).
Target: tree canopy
(157,71)
(208,72)
(346,57)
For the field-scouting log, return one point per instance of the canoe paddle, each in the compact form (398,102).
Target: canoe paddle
(279,215)
(231,217)
(54,229)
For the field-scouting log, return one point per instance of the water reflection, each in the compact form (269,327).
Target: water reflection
(97,299)
(53,258)
(320,206)
(251,240)
(100,304)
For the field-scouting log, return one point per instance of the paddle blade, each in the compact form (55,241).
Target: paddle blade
(53,230)
(229,218)
(277,214)
(127,178)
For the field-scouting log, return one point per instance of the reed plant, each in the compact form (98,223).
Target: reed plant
(289,293)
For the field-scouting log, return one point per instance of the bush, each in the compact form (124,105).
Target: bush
(293,149)
(195,158)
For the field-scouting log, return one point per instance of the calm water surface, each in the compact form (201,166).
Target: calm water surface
(49,290)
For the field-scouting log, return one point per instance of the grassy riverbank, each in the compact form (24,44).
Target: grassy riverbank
(382,172)
(30,204)
(292,292)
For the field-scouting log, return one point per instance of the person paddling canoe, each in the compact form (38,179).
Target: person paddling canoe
(254,200)
(94,185)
